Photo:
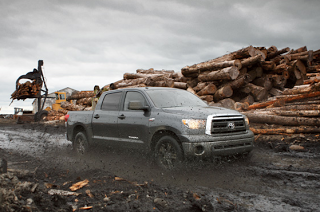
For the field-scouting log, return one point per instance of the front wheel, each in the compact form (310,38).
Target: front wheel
(168,153)
(80,144)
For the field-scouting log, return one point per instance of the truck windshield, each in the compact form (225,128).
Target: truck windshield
(174,98)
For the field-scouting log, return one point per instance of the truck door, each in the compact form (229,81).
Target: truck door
(133,124)
(105,118)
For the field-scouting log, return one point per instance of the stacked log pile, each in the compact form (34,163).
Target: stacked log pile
(296,107)
(250,75)
(82,98)
(78,101)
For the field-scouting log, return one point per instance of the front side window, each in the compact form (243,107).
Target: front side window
(133,96)
(111,101)
(62,97)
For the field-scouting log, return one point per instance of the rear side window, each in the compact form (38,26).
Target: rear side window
(111,101)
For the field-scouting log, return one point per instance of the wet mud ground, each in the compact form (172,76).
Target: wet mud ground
(40,161)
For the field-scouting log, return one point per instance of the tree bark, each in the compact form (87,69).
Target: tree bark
(289,99)
(80,95)
(239,82)
(276,53)
(249,99)
(281,120)
(304,113)
(208,98)
(72,107)
(280,131)
(209,89)
(250,61)
(152,71)
(223,93)
(181,85)
(200,86)
(139,75)
(263,82)
(210,66)
(259,93)
(229,73)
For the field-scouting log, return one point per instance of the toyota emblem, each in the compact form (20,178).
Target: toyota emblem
(231,125)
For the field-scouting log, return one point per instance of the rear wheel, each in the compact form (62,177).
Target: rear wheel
(168,153)
(80,144)
(41,116)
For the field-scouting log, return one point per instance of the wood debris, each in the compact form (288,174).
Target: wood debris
(79,185)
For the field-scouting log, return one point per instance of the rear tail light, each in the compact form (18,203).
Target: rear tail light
(66,117)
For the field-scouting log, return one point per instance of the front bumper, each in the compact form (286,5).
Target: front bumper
(210,146)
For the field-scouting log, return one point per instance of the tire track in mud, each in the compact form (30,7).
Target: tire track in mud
(268,181)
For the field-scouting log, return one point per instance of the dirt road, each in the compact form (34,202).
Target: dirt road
(123,180)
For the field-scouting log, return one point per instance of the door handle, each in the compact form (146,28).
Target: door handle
(96,116)
(122,116)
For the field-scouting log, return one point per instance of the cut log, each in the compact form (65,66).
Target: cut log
(305,106)
(227,103)
(181,85)
(303,113)
(223,93)
(241,106)
(278,81)
(268,65)
(80,95)
(275,92)
(259,93)
(229,73)
(139,75)
(209,89)
(302,96)
(249,99)
(239,82)
(192,82)
(152,71)
(265,82)
(281,120)
(276,53)
(251,61)
(200,86)
(299,50)
(85,101)
(297,90)
(191,90)
(279,131)
(72,107)
(211,66)
(208,98)
(159,82)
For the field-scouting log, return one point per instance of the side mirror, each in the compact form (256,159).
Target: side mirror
(137,105)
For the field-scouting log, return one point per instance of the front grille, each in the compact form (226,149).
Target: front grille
(227,124)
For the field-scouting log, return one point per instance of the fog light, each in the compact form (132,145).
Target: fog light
(199,150)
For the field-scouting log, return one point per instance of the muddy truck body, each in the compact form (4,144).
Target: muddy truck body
(171,124)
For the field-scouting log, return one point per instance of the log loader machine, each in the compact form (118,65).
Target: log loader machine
(37,89)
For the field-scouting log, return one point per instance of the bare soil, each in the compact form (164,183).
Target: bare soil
(40,162)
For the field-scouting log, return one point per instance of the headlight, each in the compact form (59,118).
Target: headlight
(194,123)
(246,120)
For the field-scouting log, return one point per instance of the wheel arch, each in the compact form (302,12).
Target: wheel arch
(80,128)
(159,134)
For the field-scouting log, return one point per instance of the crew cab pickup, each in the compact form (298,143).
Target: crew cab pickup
(172,124)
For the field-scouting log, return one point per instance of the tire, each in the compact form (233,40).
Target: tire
(41,116)
(168,153)
(80,144)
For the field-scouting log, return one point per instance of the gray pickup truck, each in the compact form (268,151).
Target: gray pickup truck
(172,124)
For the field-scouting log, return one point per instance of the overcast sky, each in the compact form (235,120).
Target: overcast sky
(85,43)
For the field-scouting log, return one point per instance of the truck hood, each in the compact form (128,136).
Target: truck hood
(201,112)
